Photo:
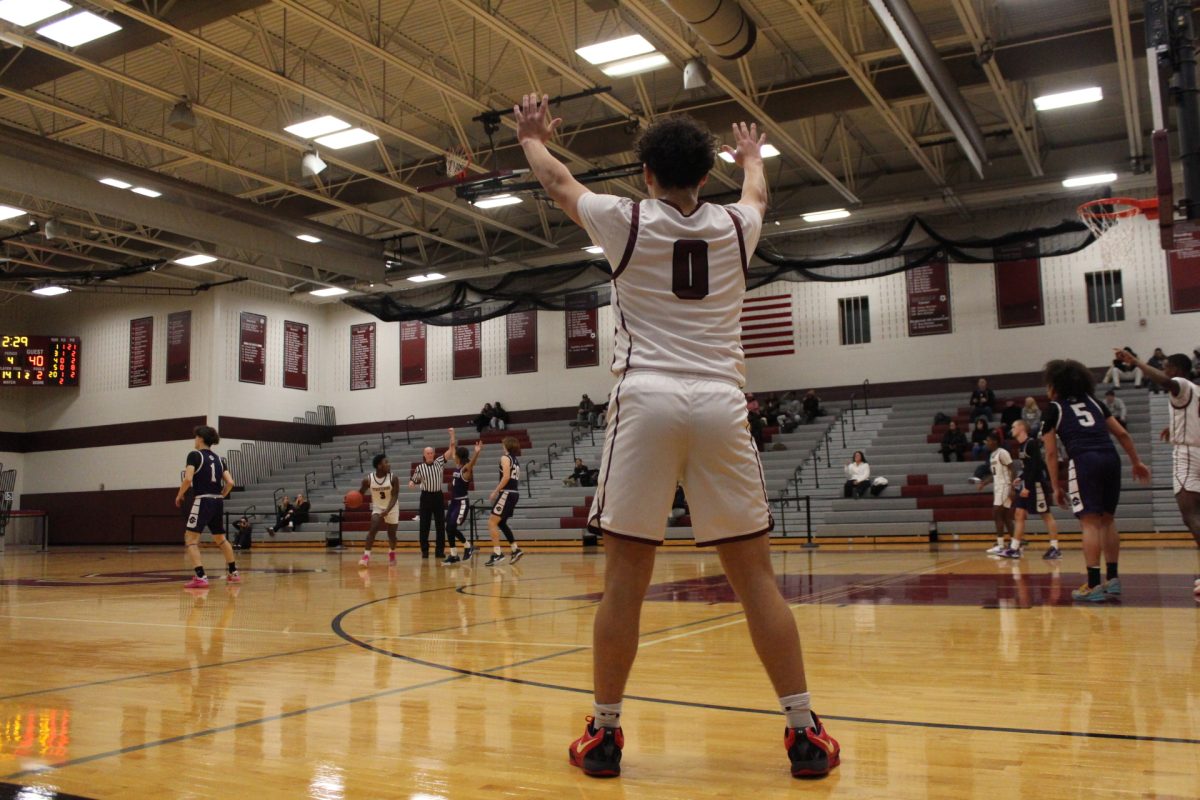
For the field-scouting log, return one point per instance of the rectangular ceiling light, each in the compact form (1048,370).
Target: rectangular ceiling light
(432,276)
(635,65)
(615,50)
(120,184)
(825,216)
(1090,180)
(767,151)
(144,192)
(329,291)
(27,12)
(320,126)
(594,250)
(1077,97)
(496,201)
(8,212)
(195,261)
(337,141)
(308,237)
(79,29)
(51,291)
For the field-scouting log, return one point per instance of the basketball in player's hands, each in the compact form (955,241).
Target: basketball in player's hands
(354,498)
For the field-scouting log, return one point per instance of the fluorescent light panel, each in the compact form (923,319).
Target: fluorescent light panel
(27,12)
(635,65)
(79,29)
(1090,180)
(825,216)
(594,250)
(615,49)
(195,261)
(142,190)
(496,201)
(329,291)
(432,276)
(338,141)
(51,291)
(1075,97)
(311,129)
(116,182)
(8,212)
(308,237)
(767,151)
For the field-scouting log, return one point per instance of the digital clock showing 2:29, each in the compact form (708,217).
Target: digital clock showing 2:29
(39,360)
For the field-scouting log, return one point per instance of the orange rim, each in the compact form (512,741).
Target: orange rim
(1118,208)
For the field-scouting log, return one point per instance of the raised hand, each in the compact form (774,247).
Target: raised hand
(478,447)
(749,143)
(534,120)
(1124,356)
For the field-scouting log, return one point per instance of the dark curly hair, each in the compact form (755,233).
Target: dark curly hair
(678,149)
(1068,378)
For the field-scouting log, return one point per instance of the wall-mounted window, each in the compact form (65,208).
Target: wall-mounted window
(855,317)
(1106,298)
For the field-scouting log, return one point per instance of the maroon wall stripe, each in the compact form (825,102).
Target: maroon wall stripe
(108,517)
(155,430)
(268,430)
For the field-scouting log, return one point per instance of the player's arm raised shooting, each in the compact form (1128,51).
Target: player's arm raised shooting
(748,155)
(535,126)
(1152,374)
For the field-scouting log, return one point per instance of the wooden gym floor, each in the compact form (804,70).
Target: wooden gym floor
(944,674)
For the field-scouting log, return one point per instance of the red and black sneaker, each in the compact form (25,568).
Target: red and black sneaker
(598,751)
(812,751)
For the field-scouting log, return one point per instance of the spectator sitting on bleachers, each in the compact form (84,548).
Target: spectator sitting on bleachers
(1120,368)
(757,423)
(752,404)
(979,436)
(1009,415)
(1116,407)
(484,418)
(1031,415)
(953,441)
(858,476)
(1158,361)
(499,416)
(811,406)
(587,412)
(303,507)
(242,534)
(679,506)
(580,476)
(284,516)
(983,400)
(771,412)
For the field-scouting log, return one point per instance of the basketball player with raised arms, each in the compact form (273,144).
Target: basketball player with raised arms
(460,500)
(1094,471)
(1183,433)
(209,478)
(384,489)
(677,413)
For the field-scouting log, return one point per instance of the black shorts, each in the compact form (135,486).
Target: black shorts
(207,512)
(506,504)
(1039,500)
(1094,482)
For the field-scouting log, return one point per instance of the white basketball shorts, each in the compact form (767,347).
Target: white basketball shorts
(1002,494)
(665,429)
(1185,469)
(391,518)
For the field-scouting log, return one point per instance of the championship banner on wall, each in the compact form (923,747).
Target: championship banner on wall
(1183,272)
(179,347)
(362,356)
(141,351)
(1018,271)
(252,348)
(767,326)
(521,334)
(468,350)
(295,355)
(412,352)
(928,289)
(583,343)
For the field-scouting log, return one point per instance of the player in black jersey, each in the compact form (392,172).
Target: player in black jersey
(505,496)
(209,478)
(1094,471)
(1034,494)
(460,501)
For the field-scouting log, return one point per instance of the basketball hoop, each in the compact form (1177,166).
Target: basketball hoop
(458,160)
(1103,218)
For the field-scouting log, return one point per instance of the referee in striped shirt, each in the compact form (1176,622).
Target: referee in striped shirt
(428,476)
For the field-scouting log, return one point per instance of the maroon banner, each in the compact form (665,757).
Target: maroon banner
(412,352)
(295,355)
(929,299)
(141,351)
(1183,272)
(583,345)
(362,356)
(521,329)
(179,347)
(252,348)
(468,351)
(1018,271)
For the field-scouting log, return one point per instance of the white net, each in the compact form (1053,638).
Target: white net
(457,161)
(1115,235)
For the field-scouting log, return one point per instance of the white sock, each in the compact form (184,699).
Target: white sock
(607,715)
(798,710)
(1015,544)
(1054,543)
(514,547)
(453,551)
(366,553)
(497,551)
(999,541)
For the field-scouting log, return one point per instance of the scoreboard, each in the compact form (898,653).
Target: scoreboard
(39,360)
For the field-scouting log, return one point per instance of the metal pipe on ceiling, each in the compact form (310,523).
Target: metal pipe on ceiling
(723,25)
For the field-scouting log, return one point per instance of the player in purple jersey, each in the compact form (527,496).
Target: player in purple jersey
(209,478)
(1034,494)
(1093,472)
(460,501)
(505,496)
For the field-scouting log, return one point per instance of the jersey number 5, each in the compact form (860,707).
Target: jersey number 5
(1086,420)
(689,269)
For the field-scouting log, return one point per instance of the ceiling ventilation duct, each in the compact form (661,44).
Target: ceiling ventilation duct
(722,24)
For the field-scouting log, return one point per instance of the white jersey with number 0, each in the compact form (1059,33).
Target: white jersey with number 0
(678,282)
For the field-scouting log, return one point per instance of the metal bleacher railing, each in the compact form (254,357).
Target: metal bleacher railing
(256,461)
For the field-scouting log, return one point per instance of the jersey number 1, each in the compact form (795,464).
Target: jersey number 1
(689,269)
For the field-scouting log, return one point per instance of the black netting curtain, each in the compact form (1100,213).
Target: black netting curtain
(552,288)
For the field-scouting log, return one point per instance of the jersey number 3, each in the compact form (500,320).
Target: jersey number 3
(689,269)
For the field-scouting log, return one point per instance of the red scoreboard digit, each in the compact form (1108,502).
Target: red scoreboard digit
(39,360)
